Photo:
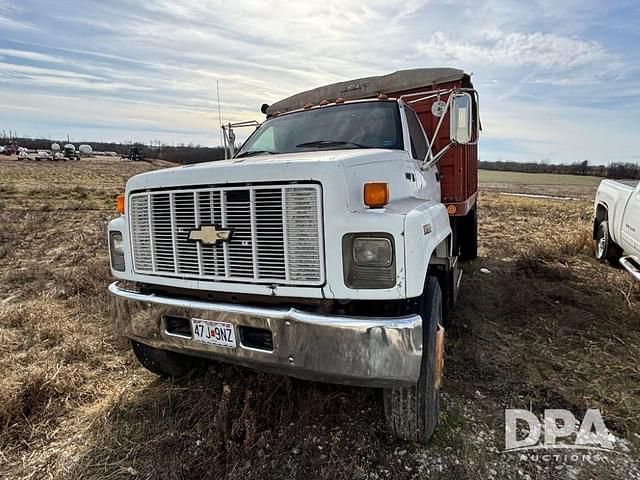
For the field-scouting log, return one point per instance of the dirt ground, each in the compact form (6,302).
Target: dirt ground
(541,326)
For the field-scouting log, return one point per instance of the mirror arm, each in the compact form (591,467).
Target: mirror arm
(429,95)
(477,95)
(225,141)
(229,137)
(429,158)
(437,157)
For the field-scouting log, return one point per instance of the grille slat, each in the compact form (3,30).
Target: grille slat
(277,234)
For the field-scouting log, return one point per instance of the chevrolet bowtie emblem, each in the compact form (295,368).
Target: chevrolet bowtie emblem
(209,235)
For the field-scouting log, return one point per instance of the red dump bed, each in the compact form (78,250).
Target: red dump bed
(459,166)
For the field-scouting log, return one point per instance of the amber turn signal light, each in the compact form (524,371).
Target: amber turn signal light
(376,194)
(120,204)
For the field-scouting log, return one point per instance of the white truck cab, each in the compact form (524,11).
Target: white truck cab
(321,250)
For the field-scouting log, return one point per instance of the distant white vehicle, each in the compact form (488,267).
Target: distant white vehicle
(616,228)
(43,155)
(1,149)
(85,149)
(22,155)
(59,156)
(70,151)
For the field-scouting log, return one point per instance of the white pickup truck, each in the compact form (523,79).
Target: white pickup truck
(322,249)
(616,227)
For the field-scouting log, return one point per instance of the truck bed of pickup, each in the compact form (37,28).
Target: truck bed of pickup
(629,183)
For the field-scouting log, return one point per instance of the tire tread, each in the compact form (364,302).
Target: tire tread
(411,413)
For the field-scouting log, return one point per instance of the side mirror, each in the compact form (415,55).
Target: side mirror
(461,128)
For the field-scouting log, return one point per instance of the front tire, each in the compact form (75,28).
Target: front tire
(411,413)
(163,362)
(606,249)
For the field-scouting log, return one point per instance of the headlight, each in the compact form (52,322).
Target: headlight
(374,252)
(368,260)
(116,242)
(116,250)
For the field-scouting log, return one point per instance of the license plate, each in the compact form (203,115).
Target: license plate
(221,334)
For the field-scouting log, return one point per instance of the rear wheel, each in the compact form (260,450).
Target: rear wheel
(606,249)
(411,413)
(163,362)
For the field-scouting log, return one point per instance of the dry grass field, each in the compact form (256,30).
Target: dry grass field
(548,327)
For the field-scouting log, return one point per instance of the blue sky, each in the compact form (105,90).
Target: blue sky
(559,80)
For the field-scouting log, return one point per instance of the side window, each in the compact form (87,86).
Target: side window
(418,141)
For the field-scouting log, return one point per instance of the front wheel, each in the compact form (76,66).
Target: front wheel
(163,362)
(411,413)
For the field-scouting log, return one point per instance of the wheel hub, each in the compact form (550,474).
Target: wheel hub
(602,242)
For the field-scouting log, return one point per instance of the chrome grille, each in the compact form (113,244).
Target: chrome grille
(277,233)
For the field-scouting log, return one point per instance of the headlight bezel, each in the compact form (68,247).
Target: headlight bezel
(116,254)
(368,275)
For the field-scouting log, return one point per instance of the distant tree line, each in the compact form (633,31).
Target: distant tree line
(173,153)
(613,170)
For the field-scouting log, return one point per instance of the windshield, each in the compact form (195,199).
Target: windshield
(355,125)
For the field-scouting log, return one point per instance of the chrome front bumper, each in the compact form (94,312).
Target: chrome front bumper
(365,351)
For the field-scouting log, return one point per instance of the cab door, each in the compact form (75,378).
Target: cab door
(631,224)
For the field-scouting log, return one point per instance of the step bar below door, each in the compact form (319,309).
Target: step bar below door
(631,264)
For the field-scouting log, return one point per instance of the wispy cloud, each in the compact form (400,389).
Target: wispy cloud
(29,55)
(548,72)
(546,50)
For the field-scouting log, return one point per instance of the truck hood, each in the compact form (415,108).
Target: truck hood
(319,166)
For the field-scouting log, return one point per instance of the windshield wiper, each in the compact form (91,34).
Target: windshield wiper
(254,152)
(330,143)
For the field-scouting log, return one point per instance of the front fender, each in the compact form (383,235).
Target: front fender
(426,227)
